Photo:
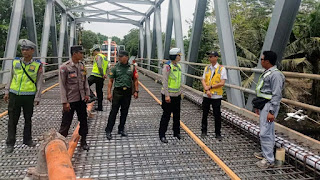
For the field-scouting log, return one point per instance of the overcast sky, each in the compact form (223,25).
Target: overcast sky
(120,30)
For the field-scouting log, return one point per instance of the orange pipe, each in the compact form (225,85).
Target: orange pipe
(74,141)
(58,161)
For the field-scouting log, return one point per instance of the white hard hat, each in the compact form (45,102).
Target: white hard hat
(175,51)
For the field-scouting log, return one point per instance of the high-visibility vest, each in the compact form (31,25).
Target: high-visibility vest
(261,82)
(95,69)
(174,80)
(20,83)
(215,79)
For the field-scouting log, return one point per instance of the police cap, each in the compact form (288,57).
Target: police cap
(213,53)
(123,53)
(27,44)
(76,48)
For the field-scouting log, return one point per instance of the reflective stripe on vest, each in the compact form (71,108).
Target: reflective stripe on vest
(174,80)
(20,83)
(260,85)
(215,79)
(95,69)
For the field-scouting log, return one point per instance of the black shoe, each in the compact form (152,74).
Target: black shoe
(83,143)
(178,136)
(84,146)
(9,149)
(30,143)
(123,133)
(109,136)
(97,109)
(219,137)
(164,140)
(204,134)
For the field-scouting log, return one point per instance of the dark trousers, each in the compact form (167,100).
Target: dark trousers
(81,108)
(99,86)
(121,98)
(173,107)
(17,102)
(216,106)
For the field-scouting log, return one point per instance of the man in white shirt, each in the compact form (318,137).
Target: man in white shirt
(213,80)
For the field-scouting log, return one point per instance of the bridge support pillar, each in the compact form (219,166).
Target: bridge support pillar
(157,20)
(228,51)
(167,42)
(179,34)
(63,26)
(279,30)
(13,37)
(148,38)
(195,39)
(141,43)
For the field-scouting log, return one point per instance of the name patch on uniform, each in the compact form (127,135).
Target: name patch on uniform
(72,74)
(31,68)
(18,66)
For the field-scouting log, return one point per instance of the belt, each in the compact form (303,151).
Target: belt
(122,88)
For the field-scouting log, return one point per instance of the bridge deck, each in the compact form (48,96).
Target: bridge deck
(141,155)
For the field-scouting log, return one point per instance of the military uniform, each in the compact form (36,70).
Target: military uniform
(99,70)
(24,88)
(123,75)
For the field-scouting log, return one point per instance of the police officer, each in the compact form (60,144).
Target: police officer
(171,95)
(269,87)
(74,90)
(23,90)
(98,74)
(213,79)
(125,79)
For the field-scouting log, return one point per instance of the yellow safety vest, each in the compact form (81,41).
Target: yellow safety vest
(214,80)
(20,83)
(260,85)
(174,80)
(95,69)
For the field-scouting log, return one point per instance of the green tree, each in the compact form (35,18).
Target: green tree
(89,38)
(131,42)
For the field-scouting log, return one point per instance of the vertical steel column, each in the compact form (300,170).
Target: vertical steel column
(154,39)
(53,35)
(72,33)
(148,37)
(157,19)
(196,36)
(228,50)
(63,26)
(168,37)
(279,30)
(66,40)
(141,41)
(179,34)
(12,37)
(46,30)
(31,25)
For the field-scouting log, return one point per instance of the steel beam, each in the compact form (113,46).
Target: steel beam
(179,34)
(53,35)
(157,19)
(146,2)
(107,20)
(72,34)
(46,30)
(154,40)
(279,30)
(84,5)
(151,9)
(126,13)
(167,41)
(63,25)
(148,38)
(31,25)
(228,50)
(66,41)
(12,37)
(141,37)
(125,7)
(195,39)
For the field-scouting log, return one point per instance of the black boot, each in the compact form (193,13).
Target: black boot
(84,144)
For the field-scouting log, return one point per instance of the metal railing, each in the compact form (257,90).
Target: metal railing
(287,74)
